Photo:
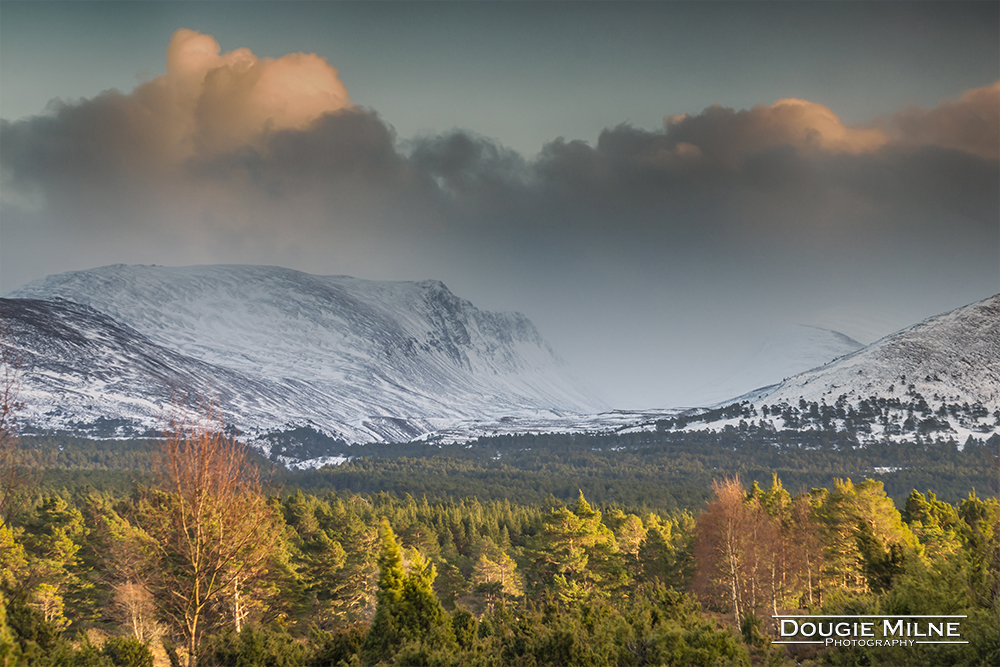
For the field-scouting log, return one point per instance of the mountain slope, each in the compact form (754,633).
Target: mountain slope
(789,351)
(383,358)
(955,356)
(82,371)
(374,361)
(936,379)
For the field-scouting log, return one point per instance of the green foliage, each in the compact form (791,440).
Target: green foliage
(507,537)
(327,649)
(33,632)
(776,501)
(657,626)
(466,628)
(13,559)
(701,646)
(10,650)
(953,580)
(253,646)
(409,619)
(980,531)
(666,556)
(87,655)
(577,552)
(127,652)
(934,523)
(750,628)
(864,533)
(661,469)
(53,534)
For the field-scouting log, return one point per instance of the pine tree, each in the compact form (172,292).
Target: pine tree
(52,537)
(10,650)
(408,613)
(577,552)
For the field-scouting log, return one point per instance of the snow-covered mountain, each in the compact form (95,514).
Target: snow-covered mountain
(938,378)
(366,361)
(954,356)
(357,359)
(80,369)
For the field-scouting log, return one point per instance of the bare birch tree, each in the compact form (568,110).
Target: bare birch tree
(135,609)
(720,547)
(741,552)
(209,529)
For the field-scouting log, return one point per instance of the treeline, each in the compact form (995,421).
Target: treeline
(909,414)
(658,470)
(207,566)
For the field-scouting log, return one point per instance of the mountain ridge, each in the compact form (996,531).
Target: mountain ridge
(351,352)
(939,378)
(950,344)
(368,361)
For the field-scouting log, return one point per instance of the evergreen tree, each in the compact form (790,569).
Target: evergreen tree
(866,539)
(981,536)
(577,553)
(496,578)
(13,559)
(53,535)
(408,613)
(934,523)
(10,650)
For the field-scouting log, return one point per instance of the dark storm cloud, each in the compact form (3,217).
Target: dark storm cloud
(351,147)
(794,151)
(786,174)
(94,157)
(467,165)
(924,181)
(112,156)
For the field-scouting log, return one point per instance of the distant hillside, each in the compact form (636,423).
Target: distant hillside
(790,350)
(297,362)
(936,379)
(954,358)
(363,360)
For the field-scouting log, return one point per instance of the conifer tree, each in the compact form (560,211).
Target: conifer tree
(408,612)
(496,577)
(981,536)
(577,552)
(866,539)
(10,650)
(52,537)
(13,559)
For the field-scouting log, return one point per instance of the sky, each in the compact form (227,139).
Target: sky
(662,188)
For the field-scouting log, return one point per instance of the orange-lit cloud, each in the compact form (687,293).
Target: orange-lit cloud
(210,102)
(971,124)
(811,125)
(731,136)
(231,157)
